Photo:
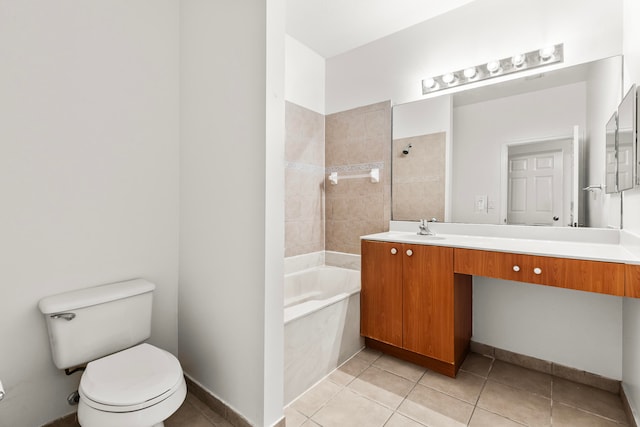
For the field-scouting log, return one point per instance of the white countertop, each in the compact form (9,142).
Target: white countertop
(610,251)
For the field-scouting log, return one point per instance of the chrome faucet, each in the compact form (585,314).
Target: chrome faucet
(424,227)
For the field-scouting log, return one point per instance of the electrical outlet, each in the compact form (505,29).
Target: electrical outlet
(480,205)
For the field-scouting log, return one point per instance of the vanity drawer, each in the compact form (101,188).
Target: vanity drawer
(590,276)
(632,281)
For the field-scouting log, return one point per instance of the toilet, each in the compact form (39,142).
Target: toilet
(126,382)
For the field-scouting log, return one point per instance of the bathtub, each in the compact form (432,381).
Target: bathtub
(322,325)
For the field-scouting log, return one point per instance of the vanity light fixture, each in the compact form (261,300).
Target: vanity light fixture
(512,64)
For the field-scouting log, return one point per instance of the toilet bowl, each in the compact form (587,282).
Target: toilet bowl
(137,387)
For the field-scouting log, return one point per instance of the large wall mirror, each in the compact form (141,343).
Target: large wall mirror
(515,152)
(626,149)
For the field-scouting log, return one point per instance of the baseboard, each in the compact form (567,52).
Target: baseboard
(628,409)
(281,423)
(218,406)
(67,420)
(547,367)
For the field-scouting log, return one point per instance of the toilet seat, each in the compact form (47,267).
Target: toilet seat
(131,380)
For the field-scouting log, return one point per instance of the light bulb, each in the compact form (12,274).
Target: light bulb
(429,83)
(470,72)
(449,78)
(518,60)
(547,52)
(493,66)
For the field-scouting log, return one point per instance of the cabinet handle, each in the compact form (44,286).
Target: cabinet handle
(537,270)
(394,251)
(516,268)
(409,252)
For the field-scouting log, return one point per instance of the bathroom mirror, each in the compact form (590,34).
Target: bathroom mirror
(626,151)
(455,170)
(611,165)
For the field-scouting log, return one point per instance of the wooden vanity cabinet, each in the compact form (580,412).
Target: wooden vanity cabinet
(584,275)
(413,306)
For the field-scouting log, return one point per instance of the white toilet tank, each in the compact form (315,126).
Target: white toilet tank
(90,323)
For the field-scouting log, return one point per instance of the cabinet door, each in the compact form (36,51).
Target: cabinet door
(428,325)
(381,294)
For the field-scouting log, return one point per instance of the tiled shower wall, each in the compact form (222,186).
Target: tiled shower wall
(419,177)
(319,215)
(304,180)
(356,141)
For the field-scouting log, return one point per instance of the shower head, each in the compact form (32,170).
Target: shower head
(406,149)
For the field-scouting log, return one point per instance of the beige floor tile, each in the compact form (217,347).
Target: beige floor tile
(381,386)
(591,399)
(432,408)
(309,423)
(400,367)
(312,400)
(349,371)
(464,386)
(482,418)
(477,364)
(515,404)
(294,418)
(566,416)
(522,378)
(348,408)
(209,413)
(369,354)
(398,420)
(188,416)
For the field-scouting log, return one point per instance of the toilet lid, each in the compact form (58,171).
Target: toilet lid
(132,376)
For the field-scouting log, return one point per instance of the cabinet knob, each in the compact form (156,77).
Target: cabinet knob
(516,268)
(409,252)
(394,251)
(537,270)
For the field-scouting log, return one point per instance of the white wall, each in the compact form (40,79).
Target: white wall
(481,129)
(631,218)
(88,174)
(232,202)
(631,76)
(393,67)
(573,328)
(304,76)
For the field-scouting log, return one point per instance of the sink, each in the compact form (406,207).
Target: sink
(413,236)
(421,237)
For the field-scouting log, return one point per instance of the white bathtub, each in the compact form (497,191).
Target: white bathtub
(322,324)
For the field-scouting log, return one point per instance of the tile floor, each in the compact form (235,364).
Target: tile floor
(373,389)
(192,413)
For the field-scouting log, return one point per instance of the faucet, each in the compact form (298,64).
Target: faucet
(424,227)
